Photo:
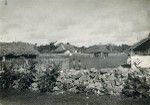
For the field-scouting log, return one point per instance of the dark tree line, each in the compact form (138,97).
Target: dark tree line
(47,48)
(117,48)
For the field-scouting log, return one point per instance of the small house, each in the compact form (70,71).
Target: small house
(98,51)
(65,49)
(140,54)
(15,50)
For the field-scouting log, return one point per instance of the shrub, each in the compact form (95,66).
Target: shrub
(27,78)
(81,88)
(25,81)
(137,84)
(7,77)
(13,78)
(49,78)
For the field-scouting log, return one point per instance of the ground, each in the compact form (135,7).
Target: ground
(68,99)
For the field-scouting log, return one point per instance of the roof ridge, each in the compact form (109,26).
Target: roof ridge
(140,42)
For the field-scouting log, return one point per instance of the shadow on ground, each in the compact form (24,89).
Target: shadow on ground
(28,98)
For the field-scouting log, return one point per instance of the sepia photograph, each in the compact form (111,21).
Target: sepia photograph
(74,52)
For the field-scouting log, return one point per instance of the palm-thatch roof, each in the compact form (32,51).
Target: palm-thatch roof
(141,45)
(65,47)
(17,49)
(97,49)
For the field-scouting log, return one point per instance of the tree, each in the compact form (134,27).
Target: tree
(47,48)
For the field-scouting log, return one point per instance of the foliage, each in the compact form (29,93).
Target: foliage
(137,84)
(47,48)
(25,81)
(48,80)
(15,79)
(27,78)
(101,82)
(117,48)
(7,77)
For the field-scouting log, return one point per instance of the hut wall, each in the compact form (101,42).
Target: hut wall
(140,61)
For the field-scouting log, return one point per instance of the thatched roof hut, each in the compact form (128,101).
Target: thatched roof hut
(142,47)
(97,49)
(65,47)
(140,54)
(16,49)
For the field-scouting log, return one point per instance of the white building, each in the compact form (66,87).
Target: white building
(140,54)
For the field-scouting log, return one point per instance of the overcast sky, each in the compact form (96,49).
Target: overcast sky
(80,22)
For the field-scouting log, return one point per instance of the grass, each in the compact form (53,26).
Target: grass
(99,62)
(87,62)
(28,98)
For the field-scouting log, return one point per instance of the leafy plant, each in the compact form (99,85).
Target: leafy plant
(7,77)
(137,85)
(26,79)
(10,78)
(48,80)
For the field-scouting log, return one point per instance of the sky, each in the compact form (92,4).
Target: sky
(80,22)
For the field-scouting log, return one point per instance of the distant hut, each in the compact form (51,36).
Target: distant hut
(16,50)
(140,53)
(98,51)
(65,49)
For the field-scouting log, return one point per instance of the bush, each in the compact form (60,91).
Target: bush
(13,77)
(27,78)
(137,84)
(49,78)
(7,77)
(25,81)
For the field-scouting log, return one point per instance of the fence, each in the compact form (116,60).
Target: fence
(42,62)
(46,60)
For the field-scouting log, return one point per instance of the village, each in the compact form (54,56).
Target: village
(99,57)
(69,55)
(103,56)
(74,52)
(68,68)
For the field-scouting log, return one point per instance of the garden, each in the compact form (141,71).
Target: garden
(21,86)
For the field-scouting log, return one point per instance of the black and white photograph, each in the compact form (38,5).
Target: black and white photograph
(74,52)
